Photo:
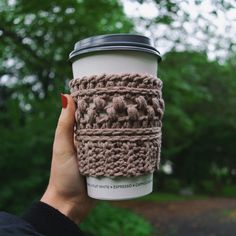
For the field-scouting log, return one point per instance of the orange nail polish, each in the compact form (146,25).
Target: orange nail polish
(64,101)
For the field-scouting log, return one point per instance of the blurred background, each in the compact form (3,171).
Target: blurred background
(195,189)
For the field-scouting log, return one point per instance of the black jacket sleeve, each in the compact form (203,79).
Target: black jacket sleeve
(39,220)
(11,225)
(50,222)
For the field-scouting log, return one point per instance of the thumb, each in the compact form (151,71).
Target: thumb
(64,136)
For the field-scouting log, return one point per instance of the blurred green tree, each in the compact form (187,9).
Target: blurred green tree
(189,25)
(35,40)
(199,123)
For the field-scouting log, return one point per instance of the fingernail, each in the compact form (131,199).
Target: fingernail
(64,101)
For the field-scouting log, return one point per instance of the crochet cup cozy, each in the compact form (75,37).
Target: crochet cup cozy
(118,124)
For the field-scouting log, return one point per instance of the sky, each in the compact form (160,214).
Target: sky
(224,25)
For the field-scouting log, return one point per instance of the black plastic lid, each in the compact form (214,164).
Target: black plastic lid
(111,42)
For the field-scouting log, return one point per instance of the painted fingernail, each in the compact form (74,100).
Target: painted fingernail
(64,101)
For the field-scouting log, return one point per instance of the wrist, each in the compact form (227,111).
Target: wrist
(66,207)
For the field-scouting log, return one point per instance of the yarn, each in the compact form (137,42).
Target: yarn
(118,124)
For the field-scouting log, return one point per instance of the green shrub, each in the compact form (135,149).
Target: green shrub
(106,220)
(229,191)
(173,185)
(208,187)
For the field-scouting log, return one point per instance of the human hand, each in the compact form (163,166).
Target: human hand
(66,190)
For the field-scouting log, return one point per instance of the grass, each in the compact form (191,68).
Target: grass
(170,197)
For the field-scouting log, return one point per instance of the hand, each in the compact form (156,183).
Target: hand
(66,190)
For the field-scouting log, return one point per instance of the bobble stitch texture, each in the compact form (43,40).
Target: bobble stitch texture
(118,124)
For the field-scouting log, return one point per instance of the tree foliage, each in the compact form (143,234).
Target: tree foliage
(199,124)
(36,38)
(208,26)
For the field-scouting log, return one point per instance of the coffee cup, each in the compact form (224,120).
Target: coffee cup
(122,58)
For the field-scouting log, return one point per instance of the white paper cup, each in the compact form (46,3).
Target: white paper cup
(120,53)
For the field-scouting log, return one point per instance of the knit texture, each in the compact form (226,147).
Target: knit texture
(118,124)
